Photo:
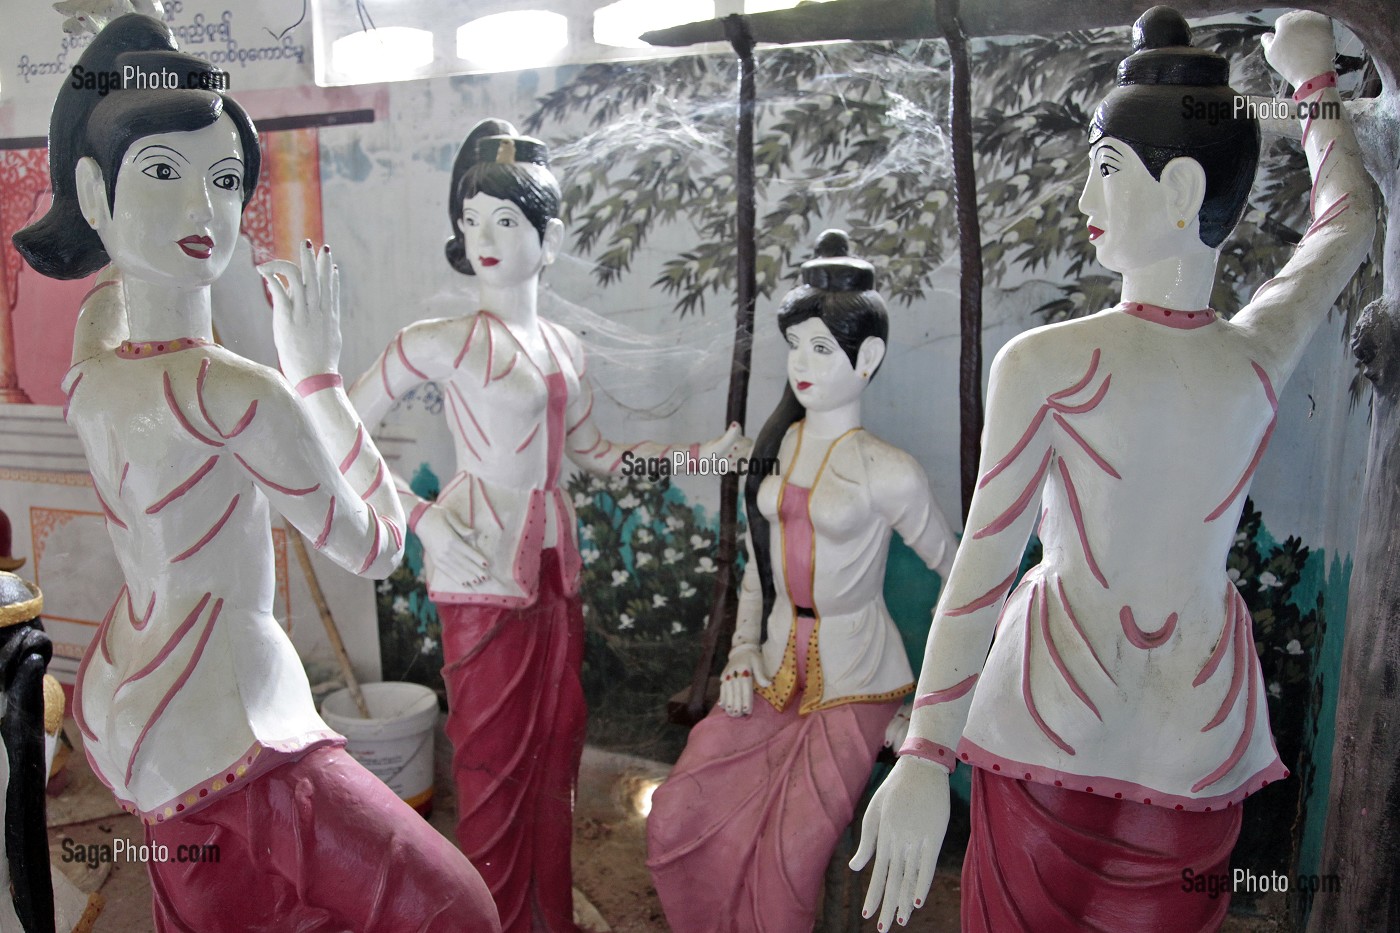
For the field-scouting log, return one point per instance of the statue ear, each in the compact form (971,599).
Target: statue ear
(92,193)
(1184,182)
(870,355)
(553,239)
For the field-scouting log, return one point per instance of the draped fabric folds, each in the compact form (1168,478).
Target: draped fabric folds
(740,835)
(317,845)
(516,721)
(1046,859)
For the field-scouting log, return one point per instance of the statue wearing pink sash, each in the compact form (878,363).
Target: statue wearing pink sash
(1119,719)
(193,705)
(500,541)
(740,834)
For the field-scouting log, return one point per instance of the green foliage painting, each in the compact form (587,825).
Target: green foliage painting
(856,134)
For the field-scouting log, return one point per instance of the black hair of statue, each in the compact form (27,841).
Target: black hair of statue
(1173,101)
(530,186)
(84,123)
(852,317)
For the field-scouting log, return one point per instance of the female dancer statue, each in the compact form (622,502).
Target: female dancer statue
(500,540)
(1119,719)
(194,706)
(741,833)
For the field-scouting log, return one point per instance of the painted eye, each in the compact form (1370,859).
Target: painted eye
(823,349)
(1106,170)
(469,221)
(229,181)
(162,171)
(506,222)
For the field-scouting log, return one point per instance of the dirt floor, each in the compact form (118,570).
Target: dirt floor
(609,854)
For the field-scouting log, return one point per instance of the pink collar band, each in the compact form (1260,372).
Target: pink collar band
(1181,320)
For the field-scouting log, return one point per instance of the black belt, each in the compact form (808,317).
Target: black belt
(805,612)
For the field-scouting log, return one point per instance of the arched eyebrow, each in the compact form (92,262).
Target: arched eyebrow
(509,209)
(169,149)
(234,159)
(1107,148)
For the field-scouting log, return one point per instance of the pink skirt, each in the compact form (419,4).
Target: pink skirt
(516,720)
(318,845)
(740,835)
(1046,859)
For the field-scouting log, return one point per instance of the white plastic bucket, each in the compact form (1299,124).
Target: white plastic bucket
(396,742)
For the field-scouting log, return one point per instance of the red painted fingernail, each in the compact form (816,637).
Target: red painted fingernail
(918,902)
(308,244)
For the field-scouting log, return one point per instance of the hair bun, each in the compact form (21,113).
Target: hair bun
(835,269)
(832,243)
(1159,28)
(1163,55)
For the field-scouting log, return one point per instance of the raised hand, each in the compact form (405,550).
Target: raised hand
(305,312)
(1301,47)
(903,829)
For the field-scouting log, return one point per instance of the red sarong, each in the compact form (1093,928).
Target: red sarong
(318,845)
(740,834)
(1045,859)
(516,720)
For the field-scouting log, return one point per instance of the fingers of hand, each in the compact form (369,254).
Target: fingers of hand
(278,291)
(894,880)
(876,892)
(869,832)
(307,258)
(323,266)
(912,859)
(927,861)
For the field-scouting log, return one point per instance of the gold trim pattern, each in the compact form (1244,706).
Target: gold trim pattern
(17,613)
(785,680)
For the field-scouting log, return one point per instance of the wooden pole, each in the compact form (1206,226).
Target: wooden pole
(725,603)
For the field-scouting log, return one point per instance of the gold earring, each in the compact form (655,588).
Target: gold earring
(865,375)
(1181,224)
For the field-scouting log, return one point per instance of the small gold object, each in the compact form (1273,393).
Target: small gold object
(505,151)
(53,705)
(1181,223)
(19,612)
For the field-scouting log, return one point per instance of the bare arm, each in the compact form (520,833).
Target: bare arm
(314,423)
(904,826)
(908,504)
(1289,307)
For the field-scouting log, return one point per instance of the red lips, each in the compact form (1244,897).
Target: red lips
(199,247)
(489,261)
(803,386)
(1094,232)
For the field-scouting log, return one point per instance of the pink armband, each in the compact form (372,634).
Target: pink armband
(929,751)
(313,384)
(416,514)
(1313,85)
